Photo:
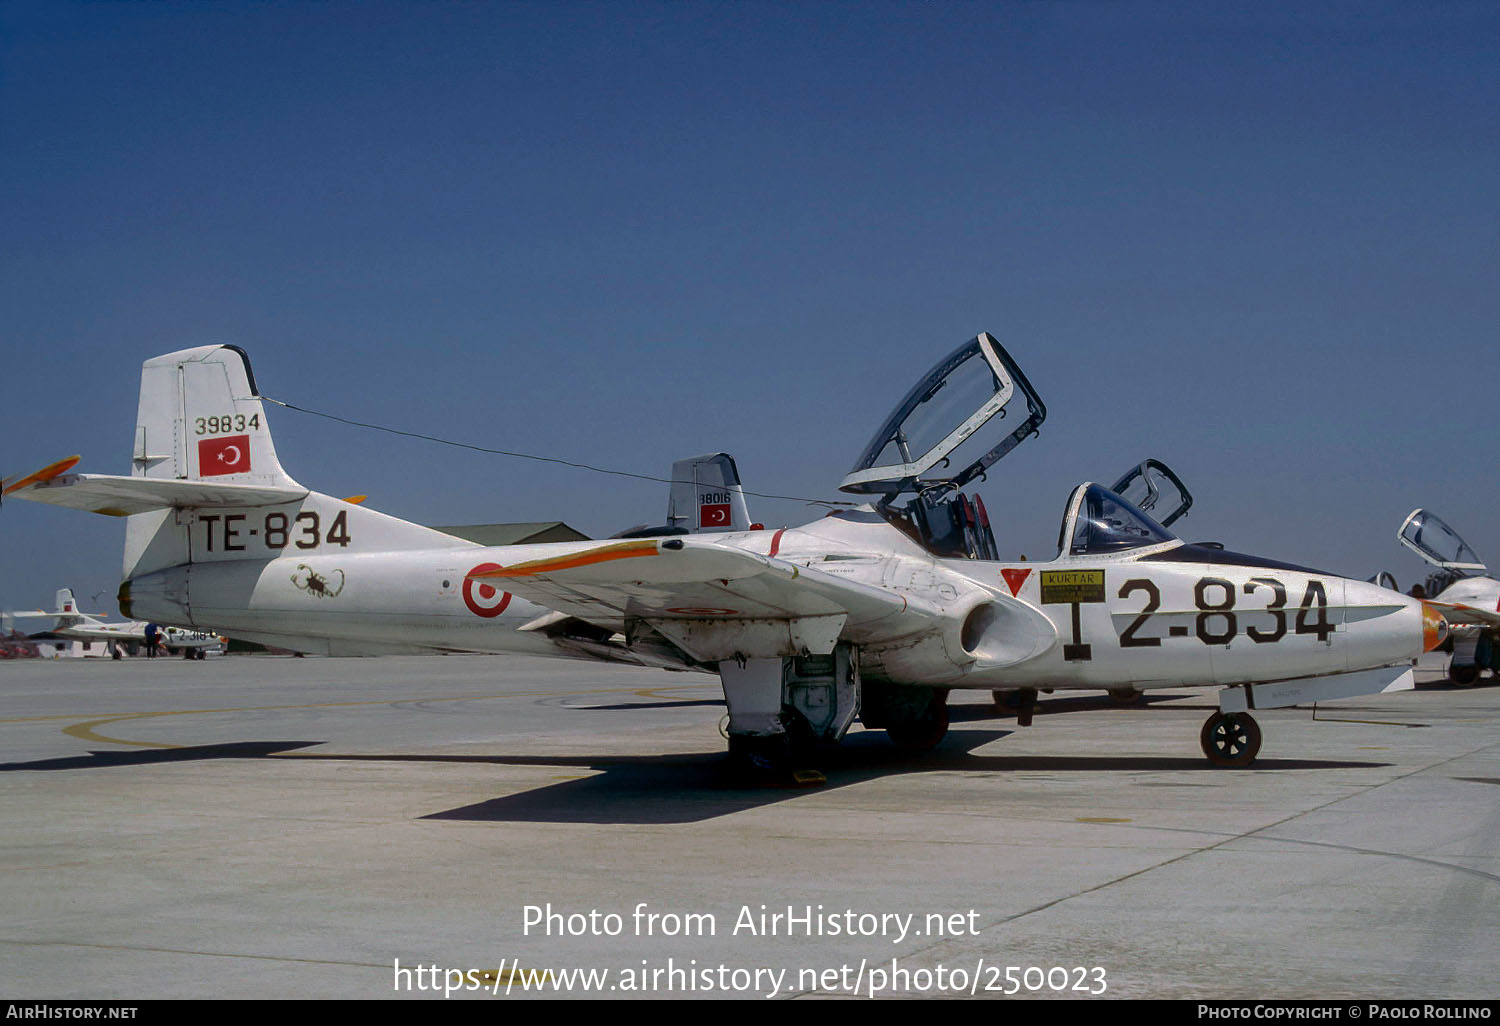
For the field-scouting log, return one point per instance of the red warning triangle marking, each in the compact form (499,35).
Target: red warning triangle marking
(1015,578)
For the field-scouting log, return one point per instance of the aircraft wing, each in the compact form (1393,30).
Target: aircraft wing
(85,631)
(117,496)
(715,601)
(122,632)
(1457,613)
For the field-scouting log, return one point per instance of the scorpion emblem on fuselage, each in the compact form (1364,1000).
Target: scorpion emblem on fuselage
(314,583)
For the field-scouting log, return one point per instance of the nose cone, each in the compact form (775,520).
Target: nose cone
(1385,627)
(1434,627)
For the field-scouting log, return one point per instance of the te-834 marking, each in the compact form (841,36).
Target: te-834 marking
(232,532)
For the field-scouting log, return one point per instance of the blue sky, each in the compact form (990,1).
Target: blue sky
(1257,241)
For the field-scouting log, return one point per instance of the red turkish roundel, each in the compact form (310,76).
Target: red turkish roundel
(483,598)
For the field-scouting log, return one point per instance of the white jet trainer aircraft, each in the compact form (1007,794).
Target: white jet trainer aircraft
(875,612)
(1462,590)
(70,622)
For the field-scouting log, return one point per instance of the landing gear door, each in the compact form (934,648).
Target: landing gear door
(1437,543)
(1156,490)
(945,423)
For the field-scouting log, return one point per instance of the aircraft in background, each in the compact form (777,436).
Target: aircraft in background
(1461,588)
(706,497)
(875,612)
(76,625)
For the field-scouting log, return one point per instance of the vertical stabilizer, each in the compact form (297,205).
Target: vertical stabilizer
(706,495)
(202,423)
(200,418)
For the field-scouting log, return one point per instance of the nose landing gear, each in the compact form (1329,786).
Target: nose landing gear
(1230,739)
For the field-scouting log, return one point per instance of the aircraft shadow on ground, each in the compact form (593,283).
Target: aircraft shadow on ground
(152,756)
(687,788)
(683,703)
(659,790)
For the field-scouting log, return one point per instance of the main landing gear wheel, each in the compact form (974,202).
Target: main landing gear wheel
(1230,739)
(925,732)
(1126,696)
(1463,676)
(760,760)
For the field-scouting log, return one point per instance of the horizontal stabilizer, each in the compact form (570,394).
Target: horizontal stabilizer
(122,496)
(47,473)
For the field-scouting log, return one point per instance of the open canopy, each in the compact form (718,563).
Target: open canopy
(944,423)
(1153,487)
(1437,543)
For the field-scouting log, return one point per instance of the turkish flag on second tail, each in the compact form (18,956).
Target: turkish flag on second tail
(714,514)
(229,455)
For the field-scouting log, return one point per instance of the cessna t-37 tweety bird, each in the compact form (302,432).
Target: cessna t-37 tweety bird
(1461,588)
(70,622)
(874,612)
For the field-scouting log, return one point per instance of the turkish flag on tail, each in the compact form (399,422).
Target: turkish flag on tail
(230,455)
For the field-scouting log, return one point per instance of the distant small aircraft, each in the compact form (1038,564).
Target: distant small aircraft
(874,612)
(71,623)
(1461,588)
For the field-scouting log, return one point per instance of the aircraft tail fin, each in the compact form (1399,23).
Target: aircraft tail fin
(707,496)
(200,417)
(205,481)
(65,608)
(202,442)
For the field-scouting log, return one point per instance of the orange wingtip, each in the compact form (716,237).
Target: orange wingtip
(625,550)
(1434,627)
(355,500)
(47,473)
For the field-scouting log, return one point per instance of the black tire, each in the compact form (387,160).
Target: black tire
(759,761)
(924,733)
(1230,740)
(1126,696)
(1463,676)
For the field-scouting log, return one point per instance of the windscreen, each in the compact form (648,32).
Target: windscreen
(1107,522)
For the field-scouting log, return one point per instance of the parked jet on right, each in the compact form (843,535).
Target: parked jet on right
(1462,590)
